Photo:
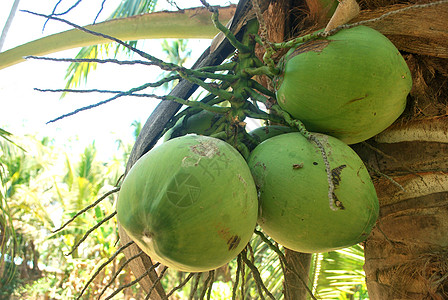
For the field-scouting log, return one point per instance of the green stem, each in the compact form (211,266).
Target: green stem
(210,75)
(229,35)
(256,85)
(218,126)
(223,67)
(198,104)
(210,99)
(264,70)
(298,40)
(220,135)
(208,87)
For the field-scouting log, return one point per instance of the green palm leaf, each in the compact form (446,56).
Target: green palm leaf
(189,23)
(78,72)
(339,274)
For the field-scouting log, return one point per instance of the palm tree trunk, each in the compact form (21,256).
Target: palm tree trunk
(299,263)
(406,254)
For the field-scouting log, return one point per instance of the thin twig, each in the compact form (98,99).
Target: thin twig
(384,234)
(194,286)
(160,63)
(243,277)
(383,154)
(252,260)
(99,12)
(258,279)
(391,13)
(331,202)
(323,34)
(131,92)
(119,271)
(132,282)
(156,282)
(77,91)
(311,137)
(93,60)
(182,284)
(103,266)
(283,260)
(199,73)
(210,287)
(208,6)
(87,208)
(192,76)
(228,34)
(206,283)
(53,13)
(173,3)
(379,173)
(88,232)
(223,67)
(237,276)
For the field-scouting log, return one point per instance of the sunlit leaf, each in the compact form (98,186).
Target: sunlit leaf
(78,72)
(189,23)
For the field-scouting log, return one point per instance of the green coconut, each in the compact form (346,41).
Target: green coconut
(198,123)
(351,85)
(190,203)
(265,132)
(293,191)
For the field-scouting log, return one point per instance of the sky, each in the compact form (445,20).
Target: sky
(26,111)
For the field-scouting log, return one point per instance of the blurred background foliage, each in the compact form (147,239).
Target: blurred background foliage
(42,187)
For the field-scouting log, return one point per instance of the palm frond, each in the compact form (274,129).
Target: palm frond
(8,243)
(177,53)
(339,274)
(6,136)
(78,72)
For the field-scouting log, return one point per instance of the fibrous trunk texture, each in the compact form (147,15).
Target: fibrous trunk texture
(406,256)
(294,288)
(407,253)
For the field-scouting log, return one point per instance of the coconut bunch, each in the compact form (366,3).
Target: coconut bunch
(193,202)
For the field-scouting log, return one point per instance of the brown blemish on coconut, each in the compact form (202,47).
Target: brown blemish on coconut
(260,164)
(357,99)
(336,175)
(336,178)
(315,46)
(242,179)
(233,242)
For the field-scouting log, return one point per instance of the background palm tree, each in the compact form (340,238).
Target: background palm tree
(20,211)
(41,189)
